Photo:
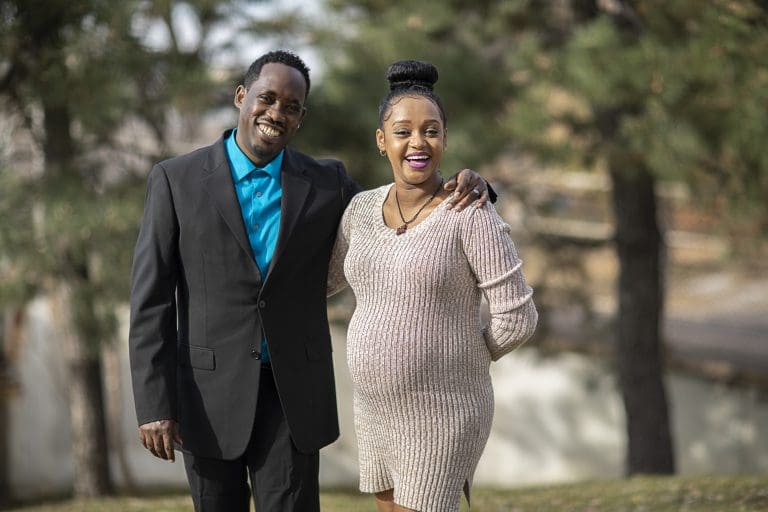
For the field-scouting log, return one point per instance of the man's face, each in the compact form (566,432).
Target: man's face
(271,110)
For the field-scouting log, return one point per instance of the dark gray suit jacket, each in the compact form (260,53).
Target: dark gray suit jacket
(199,303)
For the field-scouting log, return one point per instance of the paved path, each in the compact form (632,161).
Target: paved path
(744,346)
(716,322)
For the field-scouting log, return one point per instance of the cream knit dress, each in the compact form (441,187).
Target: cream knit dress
(417,352)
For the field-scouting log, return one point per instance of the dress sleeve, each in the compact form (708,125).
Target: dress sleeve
(336,279)
(498,271)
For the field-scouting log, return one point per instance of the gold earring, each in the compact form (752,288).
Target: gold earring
(382,152)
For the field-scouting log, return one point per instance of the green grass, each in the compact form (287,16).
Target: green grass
(640,494)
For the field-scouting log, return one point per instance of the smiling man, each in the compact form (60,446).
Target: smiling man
(229,341)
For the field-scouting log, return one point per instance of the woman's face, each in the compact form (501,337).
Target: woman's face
(414,138)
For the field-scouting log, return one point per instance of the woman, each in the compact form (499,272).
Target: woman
(417,352)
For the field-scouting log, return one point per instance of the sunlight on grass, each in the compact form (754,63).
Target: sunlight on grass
(642,494)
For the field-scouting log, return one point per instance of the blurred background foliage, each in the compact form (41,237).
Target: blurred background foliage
(93,92)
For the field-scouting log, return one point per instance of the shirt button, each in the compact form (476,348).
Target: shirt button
(262,304)
(255,354)
(255,225)
(258,194)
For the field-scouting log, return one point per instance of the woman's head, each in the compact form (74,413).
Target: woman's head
(412,131)
(410,78)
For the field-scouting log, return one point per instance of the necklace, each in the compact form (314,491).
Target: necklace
(404,227)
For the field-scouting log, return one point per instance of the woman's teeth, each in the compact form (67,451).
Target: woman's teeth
(417,162)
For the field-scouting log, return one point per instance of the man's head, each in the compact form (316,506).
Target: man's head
(271,104)
(281,57)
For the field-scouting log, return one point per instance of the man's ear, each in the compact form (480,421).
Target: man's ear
(303,115)
(239,96)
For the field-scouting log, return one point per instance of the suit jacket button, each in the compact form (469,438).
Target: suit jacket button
(255,354)
(262,303)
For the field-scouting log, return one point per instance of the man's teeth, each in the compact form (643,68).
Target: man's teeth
(269,131)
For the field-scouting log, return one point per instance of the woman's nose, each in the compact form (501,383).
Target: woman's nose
(417,141)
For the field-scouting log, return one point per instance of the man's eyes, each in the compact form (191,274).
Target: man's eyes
(292,108)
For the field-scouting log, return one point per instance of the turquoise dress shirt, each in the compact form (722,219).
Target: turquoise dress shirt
(259,192)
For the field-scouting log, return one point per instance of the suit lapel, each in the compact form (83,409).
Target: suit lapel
(296,184)
(217,180)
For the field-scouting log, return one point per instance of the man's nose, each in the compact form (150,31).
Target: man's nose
(275,111)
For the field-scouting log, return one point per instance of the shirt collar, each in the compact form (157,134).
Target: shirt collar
(242,166)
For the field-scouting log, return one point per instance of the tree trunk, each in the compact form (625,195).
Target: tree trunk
(85,395)
(82,354)
(5,487)
(639,349)
(114,413)
(12,322)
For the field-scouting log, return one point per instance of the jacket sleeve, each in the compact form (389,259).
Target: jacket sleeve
(152,337)
(498,270)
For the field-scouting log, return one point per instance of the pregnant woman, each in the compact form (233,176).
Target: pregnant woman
(418,353)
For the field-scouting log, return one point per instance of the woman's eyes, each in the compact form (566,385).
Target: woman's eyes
(430,132)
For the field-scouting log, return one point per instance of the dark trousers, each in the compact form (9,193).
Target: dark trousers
(282,479)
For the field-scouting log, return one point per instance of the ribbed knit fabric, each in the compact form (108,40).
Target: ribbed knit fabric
(417,352)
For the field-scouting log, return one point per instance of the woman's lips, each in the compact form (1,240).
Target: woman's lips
(417,160)
(417,164)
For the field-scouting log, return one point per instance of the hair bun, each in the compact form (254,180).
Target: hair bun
(404,74)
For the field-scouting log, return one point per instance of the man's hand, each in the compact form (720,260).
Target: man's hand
(158,437)
(467,187)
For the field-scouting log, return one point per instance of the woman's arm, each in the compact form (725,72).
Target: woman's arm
(498,270)
(336,279)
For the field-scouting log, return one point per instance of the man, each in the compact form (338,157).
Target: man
(229,341)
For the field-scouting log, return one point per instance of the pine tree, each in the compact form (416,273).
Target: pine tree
(655,91)
(83,89)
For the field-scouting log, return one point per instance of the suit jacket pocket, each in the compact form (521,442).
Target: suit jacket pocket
(196,357)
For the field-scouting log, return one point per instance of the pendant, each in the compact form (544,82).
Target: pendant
(401,229)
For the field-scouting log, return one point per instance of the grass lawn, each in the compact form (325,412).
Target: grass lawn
(647,494)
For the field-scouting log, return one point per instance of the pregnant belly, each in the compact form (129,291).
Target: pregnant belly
(387,362)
